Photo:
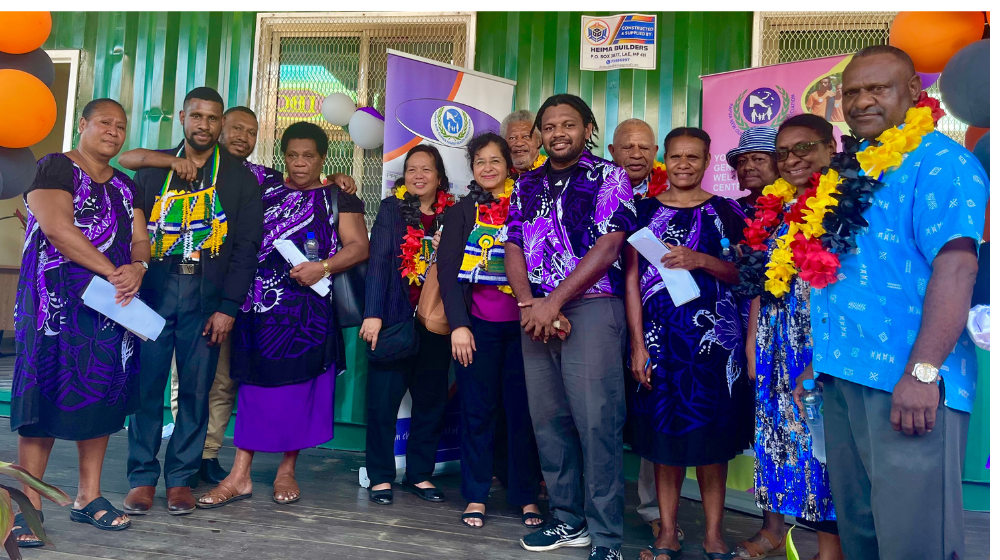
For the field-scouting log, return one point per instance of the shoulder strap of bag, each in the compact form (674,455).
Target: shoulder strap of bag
(335,212)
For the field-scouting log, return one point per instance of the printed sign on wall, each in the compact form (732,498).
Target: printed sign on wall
(615,42)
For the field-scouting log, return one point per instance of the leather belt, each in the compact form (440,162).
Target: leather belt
(185,268)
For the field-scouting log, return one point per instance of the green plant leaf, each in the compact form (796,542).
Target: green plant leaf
(6,514)
(10,545)
(46,490)
(29,512)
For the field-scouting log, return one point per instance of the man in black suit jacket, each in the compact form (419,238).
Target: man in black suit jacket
(200,274)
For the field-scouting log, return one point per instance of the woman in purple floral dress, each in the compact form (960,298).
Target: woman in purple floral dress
(75,370)
(694,406)
(287,344)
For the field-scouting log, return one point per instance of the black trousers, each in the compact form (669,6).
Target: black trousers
(180,305)
(426,377)
(497,369)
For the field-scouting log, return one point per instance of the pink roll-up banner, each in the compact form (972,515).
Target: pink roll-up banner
(735,101)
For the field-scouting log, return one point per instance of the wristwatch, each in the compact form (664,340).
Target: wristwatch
(326,269)
(925,373)
(144,264)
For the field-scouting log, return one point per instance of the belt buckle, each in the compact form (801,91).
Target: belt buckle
(186,268)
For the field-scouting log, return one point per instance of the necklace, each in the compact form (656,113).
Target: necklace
(824,220)
(185,222)
(416,249)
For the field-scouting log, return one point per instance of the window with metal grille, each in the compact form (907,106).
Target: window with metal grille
(789,36)
(302,58)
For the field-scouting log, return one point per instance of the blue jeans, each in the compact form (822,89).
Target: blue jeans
(497,368)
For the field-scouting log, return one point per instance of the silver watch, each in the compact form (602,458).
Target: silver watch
(925,373)
(144,264)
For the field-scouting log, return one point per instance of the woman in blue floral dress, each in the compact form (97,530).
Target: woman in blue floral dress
(694,404)
(788,479)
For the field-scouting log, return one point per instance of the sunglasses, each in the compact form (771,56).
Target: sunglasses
(800,150)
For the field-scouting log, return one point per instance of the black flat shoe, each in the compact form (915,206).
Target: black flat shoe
(429,494)
(381,497)
(212,472)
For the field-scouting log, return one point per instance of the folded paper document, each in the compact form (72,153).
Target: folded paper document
(295,257)
(136,316)
(679,283)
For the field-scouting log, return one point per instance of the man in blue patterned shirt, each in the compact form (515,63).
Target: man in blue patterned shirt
(899,371)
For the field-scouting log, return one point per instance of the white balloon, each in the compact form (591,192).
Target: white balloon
(366,130)
(337,109)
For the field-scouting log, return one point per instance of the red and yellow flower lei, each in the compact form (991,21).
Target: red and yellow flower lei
(658,182)
(801,250)
(415,252)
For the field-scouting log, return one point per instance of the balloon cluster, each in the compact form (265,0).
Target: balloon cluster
(365,125)
(27,106)
(949,48)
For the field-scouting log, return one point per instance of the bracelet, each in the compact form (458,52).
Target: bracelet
(326,269)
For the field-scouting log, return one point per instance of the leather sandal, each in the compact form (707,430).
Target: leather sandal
(88,514)
(21,529)
(764,544)
(285,484)
(474,515)
(670,553)
(221,495)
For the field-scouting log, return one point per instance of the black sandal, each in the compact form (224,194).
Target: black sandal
(21,529)
(717,555)
(381,497)
(106,522)
(474,515)
(670,553)
(428,494)
(525,517)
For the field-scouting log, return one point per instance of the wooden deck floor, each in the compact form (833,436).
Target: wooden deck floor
(334,519)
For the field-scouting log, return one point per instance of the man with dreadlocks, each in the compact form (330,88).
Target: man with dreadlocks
(567,222)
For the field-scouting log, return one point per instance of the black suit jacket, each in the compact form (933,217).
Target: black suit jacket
(226,279)
(459,220)
(387,294)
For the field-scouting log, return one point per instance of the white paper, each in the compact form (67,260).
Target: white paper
(979,326)
(295,257)
(679,283)
(137,317)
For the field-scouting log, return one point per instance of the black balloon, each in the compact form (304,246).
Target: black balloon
(982,151)
(965,84)
(17,170)
(37,63)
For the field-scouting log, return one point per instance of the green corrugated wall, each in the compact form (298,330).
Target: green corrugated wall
(541,50)
(148,61)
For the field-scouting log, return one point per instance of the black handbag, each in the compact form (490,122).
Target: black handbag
(395,343)
(349,285)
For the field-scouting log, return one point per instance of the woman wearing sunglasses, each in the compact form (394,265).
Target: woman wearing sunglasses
(789,479)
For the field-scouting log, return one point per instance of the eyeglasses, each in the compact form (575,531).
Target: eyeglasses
(800,150)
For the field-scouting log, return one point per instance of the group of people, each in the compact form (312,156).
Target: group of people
(566,342)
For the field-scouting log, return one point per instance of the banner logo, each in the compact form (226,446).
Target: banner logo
(763,106)
(598,32)
(452,126)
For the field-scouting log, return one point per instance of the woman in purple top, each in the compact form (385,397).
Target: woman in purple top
(486,336)
(286,338)
(694,406)
(74,375)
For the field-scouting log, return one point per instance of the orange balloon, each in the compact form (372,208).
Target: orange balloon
(27,109)
(24,31)
(972,135)
(931,38)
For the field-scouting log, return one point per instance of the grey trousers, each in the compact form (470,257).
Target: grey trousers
(649,506)
(180,305)
(576,395)
(897,497)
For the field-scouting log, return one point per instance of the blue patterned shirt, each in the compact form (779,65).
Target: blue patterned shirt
(864,325)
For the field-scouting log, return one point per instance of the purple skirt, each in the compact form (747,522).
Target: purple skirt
(286,418)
